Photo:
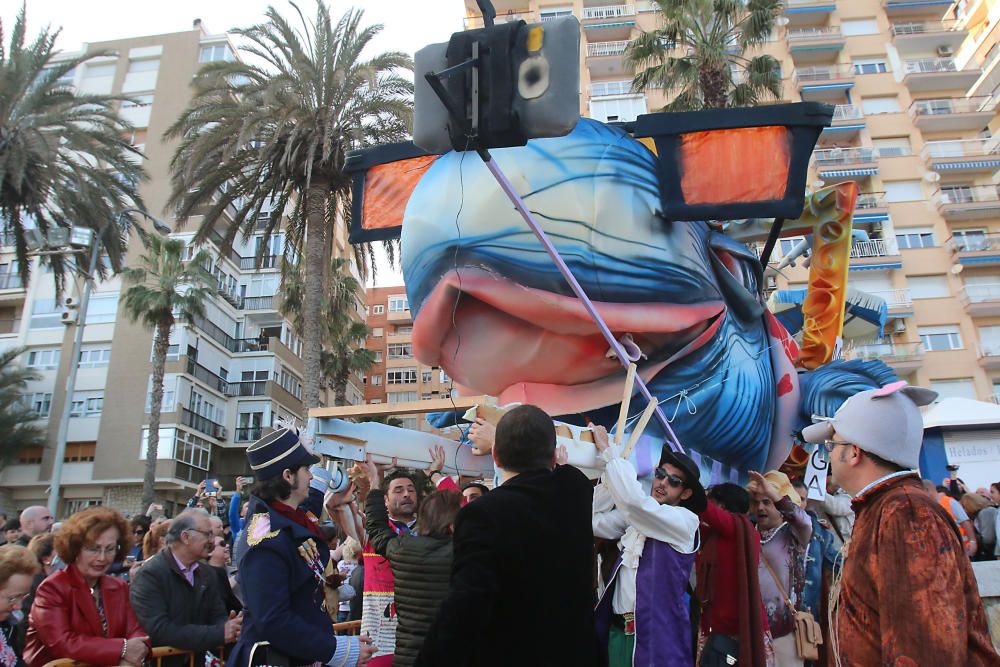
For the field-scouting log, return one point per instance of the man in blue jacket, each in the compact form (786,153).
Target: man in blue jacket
(281,574)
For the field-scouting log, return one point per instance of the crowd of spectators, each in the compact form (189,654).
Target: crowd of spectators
(667,573)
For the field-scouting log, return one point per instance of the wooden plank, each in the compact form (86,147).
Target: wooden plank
(405,408)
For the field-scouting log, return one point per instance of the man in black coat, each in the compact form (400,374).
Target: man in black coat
(521,584)
(177,598)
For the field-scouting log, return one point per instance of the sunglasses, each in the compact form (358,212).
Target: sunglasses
(830,445)
(673,480)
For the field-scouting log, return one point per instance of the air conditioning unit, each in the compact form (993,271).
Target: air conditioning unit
(945,51)
(68,317)
(898,326)
(221,434)
(71,302)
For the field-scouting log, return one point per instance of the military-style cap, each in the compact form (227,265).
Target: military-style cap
(277,451)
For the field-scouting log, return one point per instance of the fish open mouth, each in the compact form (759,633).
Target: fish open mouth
(527,345)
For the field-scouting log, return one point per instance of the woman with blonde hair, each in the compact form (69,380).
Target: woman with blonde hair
(155,539)
(18,566)
(80,612)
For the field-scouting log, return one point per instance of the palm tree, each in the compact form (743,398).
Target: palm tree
(275,134)
(160,287)
(64,157)
(343,336)
(17,420)
(713,37)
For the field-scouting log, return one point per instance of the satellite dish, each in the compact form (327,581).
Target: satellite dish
(957,269)
(932,177)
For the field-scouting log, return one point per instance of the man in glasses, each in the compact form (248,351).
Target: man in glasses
(177,598)
(908,594)
(643,616)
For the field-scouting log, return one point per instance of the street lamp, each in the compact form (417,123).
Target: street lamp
(84,238)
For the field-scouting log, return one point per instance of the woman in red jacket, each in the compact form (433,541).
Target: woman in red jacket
(79,612)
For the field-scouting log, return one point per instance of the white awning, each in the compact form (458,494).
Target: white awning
(961,412)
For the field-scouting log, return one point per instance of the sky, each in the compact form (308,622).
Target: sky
(408,25)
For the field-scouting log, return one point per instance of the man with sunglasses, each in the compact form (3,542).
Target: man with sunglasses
(643,615)
(908,594)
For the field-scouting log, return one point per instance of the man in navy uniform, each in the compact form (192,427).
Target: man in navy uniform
(281,574)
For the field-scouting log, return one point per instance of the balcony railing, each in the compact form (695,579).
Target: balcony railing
(847,112)
(904,28)
(975,243)
(606,88)
(888,352)
(952,105)
(988,349)
(959,148)
(252,344)
(807,75)
(265,262)
(979,294)
(213,331)
(602,49)
(200,423)
(11,281)
(895,298)
(248,388)
(9,326)
(969,194)
(869,200)
(870,248)
(930,65)
(810,34)
(608,12)
(842,156)
(207,376)
(248,434)
(257,302)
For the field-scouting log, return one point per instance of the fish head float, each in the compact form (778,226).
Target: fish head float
(492,309)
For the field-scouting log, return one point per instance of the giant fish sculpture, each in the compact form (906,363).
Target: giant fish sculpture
(492,310)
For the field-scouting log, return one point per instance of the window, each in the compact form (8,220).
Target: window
(425,376)
(376,379)
(400,350)
(970,240)
(426,397)
(789,243)
(150,65)
(378,310)
(141,76)
(852,27)
(869,66)
(97,79)
(929,287)
(404,330)
(102,308)
(97,357)
(940,338)
(401,376)
(552,13)
(876,105)
(80,452)
(444,377)
(408,422)
(893,146)
(375,401)
(169,403)
(620,109)
(398,304)
(917,237)
(87,404)
(378,357)
(377,332)
(897,191)
(40,403)
(215,52)
(138,101)
(44,360)
(30,455)
(45,314)
(960,388)
(192,450)
(401,396)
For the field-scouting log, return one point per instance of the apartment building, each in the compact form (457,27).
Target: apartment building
(230,374)
(396,376)
(915,84)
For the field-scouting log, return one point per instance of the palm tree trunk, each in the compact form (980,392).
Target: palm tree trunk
(316,258)
(340,384)
(713,87)
(161,343)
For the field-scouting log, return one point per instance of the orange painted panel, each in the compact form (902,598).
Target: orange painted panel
(387,189)
(738,165)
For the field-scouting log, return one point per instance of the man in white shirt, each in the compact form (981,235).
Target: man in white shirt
(643,614)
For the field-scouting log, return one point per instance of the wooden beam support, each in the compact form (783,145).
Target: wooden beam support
(405,408)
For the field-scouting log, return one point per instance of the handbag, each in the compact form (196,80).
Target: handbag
(720,651)
(808,634)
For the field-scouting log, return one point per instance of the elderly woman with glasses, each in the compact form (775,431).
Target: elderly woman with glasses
(80,612)
(17,568)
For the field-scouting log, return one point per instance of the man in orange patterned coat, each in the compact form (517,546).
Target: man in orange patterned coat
(908,595)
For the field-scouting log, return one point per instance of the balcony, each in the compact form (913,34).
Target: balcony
(870,207)
(247,388)
(973,202)
(609,22)
(399,316)
(899,301)
(874,254)
(203,424)
(605,58)
(11,289)
(808,12)
(206,376)
(9,326)
(257,302)
(896,8)
(980,300)
(611,88)
(835,165)
(824,83)
(979,248)
(255,264)
(911,37)
(903,358)
(848,121)
(950,114)
(988,354)
(925,74)
(248,434)
(819,44)
(962,156)
(508,16)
